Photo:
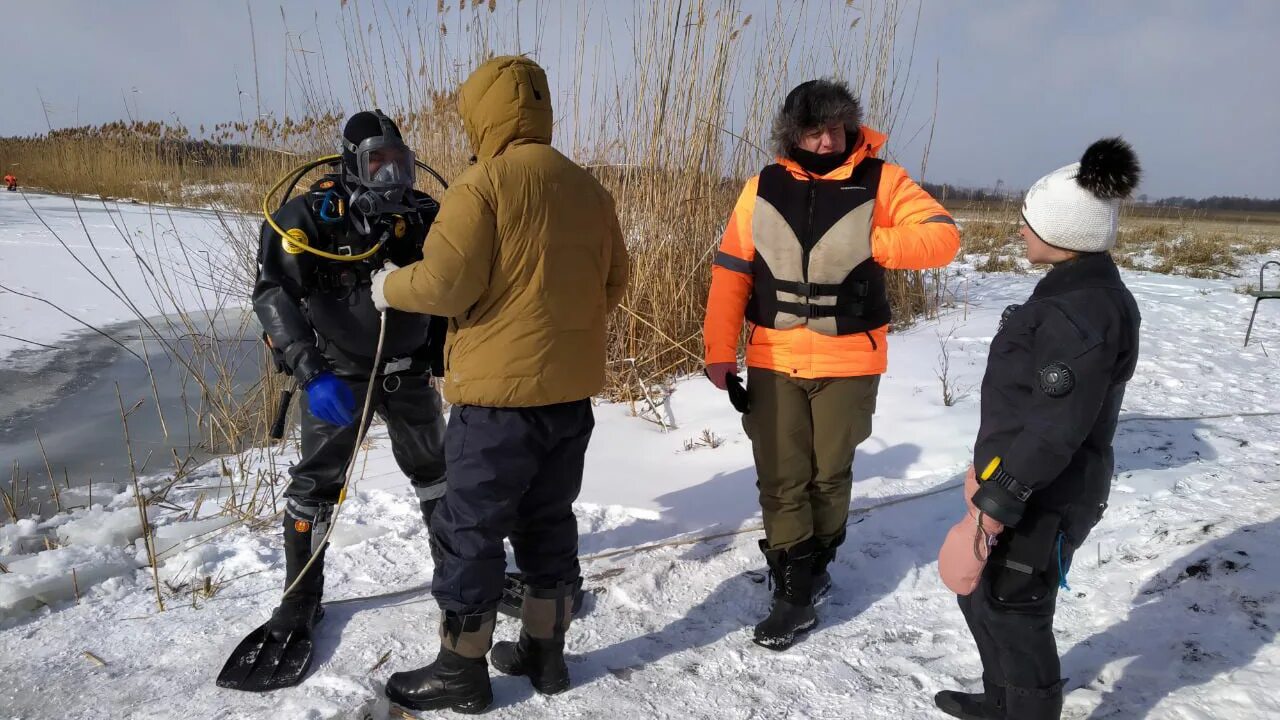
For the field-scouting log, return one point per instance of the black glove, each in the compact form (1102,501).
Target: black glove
(1002,498)
(737,394)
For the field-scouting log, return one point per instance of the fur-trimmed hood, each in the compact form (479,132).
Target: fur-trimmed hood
(812,104)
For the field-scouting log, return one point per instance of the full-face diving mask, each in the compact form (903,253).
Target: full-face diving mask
(382,178)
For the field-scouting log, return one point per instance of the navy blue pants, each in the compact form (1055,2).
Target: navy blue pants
(513,473)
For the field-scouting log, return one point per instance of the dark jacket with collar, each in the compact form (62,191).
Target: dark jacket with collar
(1054,384)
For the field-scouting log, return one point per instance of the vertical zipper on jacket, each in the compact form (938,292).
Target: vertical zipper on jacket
(874,345)
(807,240)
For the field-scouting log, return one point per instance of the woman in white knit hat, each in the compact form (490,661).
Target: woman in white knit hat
(1055,380)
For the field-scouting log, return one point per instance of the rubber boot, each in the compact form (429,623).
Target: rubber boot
(539,654)
(986,705)
(301,608)
(792,613)
(459,678)
(1034,703)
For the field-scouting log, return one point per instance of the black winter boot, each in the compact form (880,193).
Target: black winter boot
(792,612)
(821,578)
(774,561)
(539,654)
(300,609)
(1034,703)
(986,705)
(822,557)
(459,677)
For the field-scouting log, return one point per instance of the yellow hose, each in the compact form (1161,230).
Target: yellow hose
(297,241)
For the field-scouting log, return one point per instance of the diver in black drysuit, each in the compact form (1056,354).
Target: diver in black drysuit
(319,319)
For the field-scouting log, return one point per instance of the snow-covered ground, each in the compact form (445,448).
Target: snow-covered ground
(1172,612)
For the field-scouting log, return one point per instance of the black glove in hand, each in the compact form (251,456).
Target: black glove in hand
(738,394)
(999,503)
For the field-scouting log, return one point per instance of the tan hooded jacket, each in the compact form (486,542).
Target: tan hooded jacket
(526,256)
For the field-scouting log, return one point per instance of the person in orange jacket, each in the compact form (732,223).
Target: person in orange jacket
(803,261)
(10,182)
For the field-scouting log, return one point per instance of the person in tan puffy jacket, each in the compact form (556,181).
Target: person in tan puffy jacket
(527,259)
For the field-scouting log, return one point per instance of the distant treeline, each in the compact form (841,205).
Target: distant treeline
(1221,202)
(946,192)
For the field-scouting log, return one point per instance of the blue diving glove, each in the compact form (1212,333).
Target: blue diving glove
(331,400)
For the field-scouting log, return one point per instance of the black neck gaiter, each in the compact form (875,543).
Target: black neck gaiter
(820,163)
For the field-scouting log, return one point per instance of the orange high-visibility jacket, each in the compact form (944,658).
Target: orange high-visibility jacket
(910,231)
(10,180)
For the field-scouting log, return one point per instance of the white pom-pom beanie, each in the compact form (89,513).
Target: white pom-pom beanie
(1077,207)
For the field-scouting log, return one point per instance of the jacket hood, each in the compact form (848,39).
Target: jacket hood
(813,104)
(506,101)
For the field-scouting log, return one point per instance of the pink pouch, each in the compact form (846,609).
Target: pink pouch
(968,545)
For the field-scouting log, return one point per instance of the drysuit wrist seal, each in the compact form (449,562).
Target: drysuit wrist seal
(1002,478)
(1002,498)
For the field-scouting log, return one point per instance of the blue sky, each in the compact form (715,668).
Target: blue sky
(1024,87)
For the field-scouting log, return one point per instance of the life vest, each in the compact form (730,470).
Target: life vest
(812,264)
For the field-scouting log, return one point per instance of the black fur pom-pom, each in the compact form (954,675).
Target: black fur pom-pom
(1109,169)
